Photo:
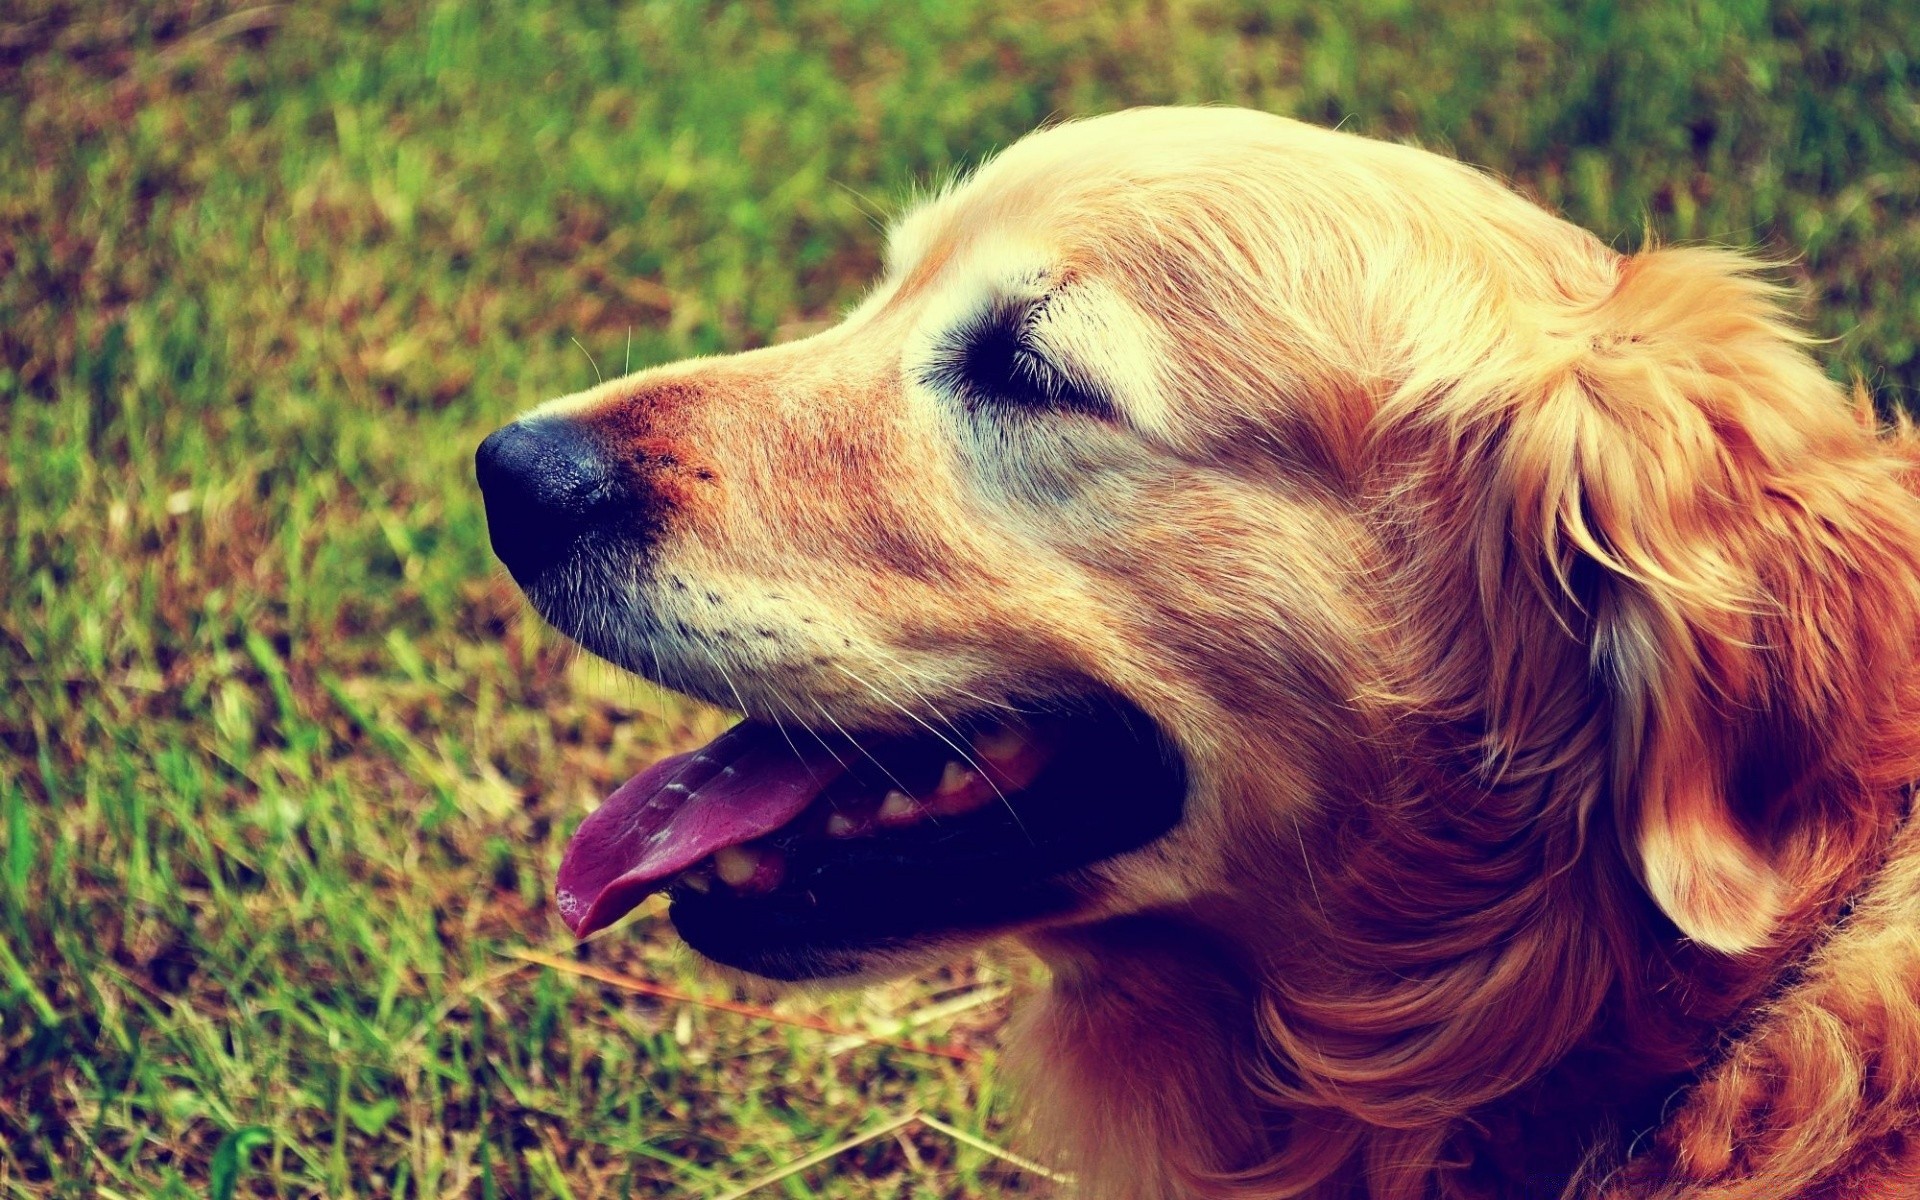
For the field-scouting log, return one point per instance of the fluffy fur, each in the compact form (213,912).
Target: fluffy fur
(1537,622)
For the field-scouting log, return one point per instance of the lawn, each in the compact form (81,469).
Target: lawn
(286,767)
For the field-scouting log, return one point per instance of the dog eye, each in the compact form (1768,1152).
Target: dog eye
(992,358)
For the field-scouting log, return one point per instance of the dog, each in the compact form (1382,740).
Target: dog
(1438,692)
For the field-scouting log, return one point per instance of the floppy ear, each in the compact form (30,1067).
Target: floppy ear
(1695,501)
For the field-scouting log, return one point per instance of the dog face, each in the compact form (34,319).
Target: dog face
(1004,499)
(1105,556)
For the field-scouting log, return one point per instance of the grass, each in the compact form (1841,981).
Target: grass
(285,768)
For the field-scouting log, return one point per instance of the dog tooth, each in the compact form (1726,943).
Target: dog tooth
(955,779)
(1011,757)
(736,865)
(841,825)
(898,808)
(1001,745)
(751,869)
(961,791)
(698,880)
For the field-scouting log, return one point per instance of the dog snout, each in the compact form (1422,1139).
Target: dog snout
(546,482)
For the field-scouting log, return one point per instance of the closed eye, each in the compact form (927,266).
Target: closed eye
(994,358)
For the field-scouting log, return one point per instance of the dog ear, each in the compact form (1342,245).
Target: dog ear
(1698,506)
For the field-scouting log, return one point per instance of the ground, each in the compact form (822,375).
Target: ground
(285,765)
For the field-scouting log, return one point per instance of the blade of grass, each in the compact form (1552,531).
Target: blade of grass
(819,1156)
(986,1147)
(23,983)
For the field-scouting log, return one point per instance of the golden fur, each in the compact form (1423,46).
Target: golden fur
(1537,622)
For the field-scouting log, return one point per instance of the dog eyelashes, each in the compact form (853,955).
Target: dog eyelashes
(992,359)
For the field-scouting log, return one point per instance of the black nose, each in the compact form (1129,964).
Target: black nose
(545,482)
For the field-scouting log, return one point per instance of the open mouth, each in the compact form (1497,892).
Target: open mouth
(797,854)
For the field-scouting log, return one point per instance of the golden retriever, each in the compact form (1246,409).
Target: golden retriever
(1438,692)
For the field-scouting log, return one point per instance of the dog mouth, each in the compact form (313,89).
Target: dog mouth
(796,853)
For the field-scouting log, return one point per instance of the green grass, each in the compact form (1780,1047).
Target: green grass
(285,767)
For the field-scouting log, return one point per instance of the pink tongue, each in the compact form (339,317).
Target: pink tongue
(745,783)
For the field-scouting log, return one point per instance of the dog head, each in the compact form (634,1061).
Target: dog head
(1200,494)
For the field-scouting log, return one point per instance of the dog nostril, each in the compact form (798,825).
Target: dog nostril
(545,481)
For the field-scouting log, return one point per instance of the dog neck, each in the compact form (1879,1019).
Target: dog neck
(1131,1064)
(1165,1062)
